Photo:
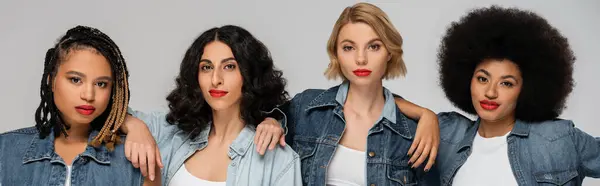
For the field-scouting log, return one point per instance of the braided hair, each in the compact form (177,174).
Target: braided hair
(47,117)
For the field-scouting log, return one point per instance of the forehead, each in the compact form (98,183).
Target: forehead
(357,32)
(216,50)
(86,61)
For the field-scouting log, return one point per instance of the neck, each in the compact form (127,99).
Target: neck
(365,98)
(489,129)
(226,126)
(76,133)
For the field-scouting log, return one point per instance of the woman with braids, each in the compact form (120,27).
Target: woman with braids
(513,70)
(227,84)
(84,96)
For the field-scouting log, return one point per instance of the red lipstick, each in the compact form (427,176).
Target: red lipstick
(361,72)
(85,109)
(489,105)
(217,93)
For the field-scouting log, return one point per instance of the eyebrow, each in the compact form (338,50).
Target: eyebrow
(106,78)
(503,77)
(222,61)
(370,41)
(510,76)
(83,75)
(484,71)
(76,73)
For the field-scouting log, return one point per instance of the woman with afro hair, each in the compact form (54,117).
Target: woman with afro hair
(513,70)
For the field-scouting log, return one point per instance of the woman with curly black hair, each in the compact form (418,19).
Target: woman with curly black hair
(513,70)
(84,96)
(226,86)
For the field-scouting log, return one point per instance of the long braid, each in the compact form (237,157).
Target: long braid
(118,112)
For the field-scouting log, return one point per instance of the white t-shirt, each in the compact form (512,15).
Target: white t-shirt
(487,165)
(347,167)
(183,177)
(68,180)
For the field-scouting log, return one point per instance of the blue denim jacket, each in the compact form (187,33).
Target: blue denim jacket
(278,167)
(552,152)
(25,159)
(315,124)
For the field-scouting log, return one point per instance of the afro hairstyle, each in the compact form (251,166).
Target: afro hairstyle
(542,54)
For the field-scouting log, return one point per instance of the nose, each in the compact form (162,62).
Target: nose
(216,78)
(361,57)
(491,91)
(88,93)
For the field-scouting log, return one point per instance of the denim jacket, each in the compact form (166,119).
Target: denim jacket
(25,159)
(552,152)
(315,125)
(278,167)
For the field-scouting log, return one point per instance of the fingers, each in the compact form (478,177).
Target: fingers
(261,139)
(259,130)
(159,158)
(431,160)
(265,142)
(282,140)
(151,161)
(414,145)
(414,157)
(128,150)
(143,161)
(277,133)
(134,156)
(423,156)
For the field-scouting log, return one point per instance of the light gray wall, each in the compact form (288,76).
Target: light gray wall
(154,35)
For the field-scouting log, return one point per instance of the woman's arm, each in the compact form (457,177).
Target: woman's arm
(427,137)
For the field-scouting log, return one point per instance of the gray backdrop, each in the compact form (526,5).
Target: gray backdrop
(153,37)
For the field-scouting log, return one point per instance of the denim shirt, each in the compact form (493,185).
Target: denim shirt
(552,152)
(278,167)
(25,159)
(315,125)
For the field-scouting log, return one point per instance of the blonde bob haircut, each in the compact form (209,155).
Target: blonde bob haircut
(379,21)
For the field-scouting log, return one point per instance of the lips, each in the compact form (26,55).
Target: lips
(489,105)
(361,72)
(85,109)
(217,93)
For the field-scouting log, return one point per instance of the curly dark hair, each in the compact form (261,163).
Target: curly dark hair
(263,86)
(47,117)
(542,54)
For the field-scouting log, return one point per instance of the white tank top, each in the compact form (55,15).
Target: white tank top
(347,167)
(183,177)
(68,179)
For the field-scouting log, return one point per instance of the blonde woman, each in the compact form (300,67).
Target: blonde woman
(353,133)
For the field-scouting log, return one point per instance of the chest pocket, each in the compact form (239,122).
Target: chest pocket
(556,178)
(401,176)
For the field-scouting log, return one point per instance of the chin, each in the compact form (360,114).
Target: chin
(362,81)
(219,106)
(487,115)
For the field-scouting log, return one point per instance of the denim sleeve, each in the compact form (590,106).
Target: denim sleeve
(156,122)
(588,148)
(291,175)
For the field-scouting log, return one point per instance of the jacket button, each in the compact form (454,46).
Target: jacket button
(371,154)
